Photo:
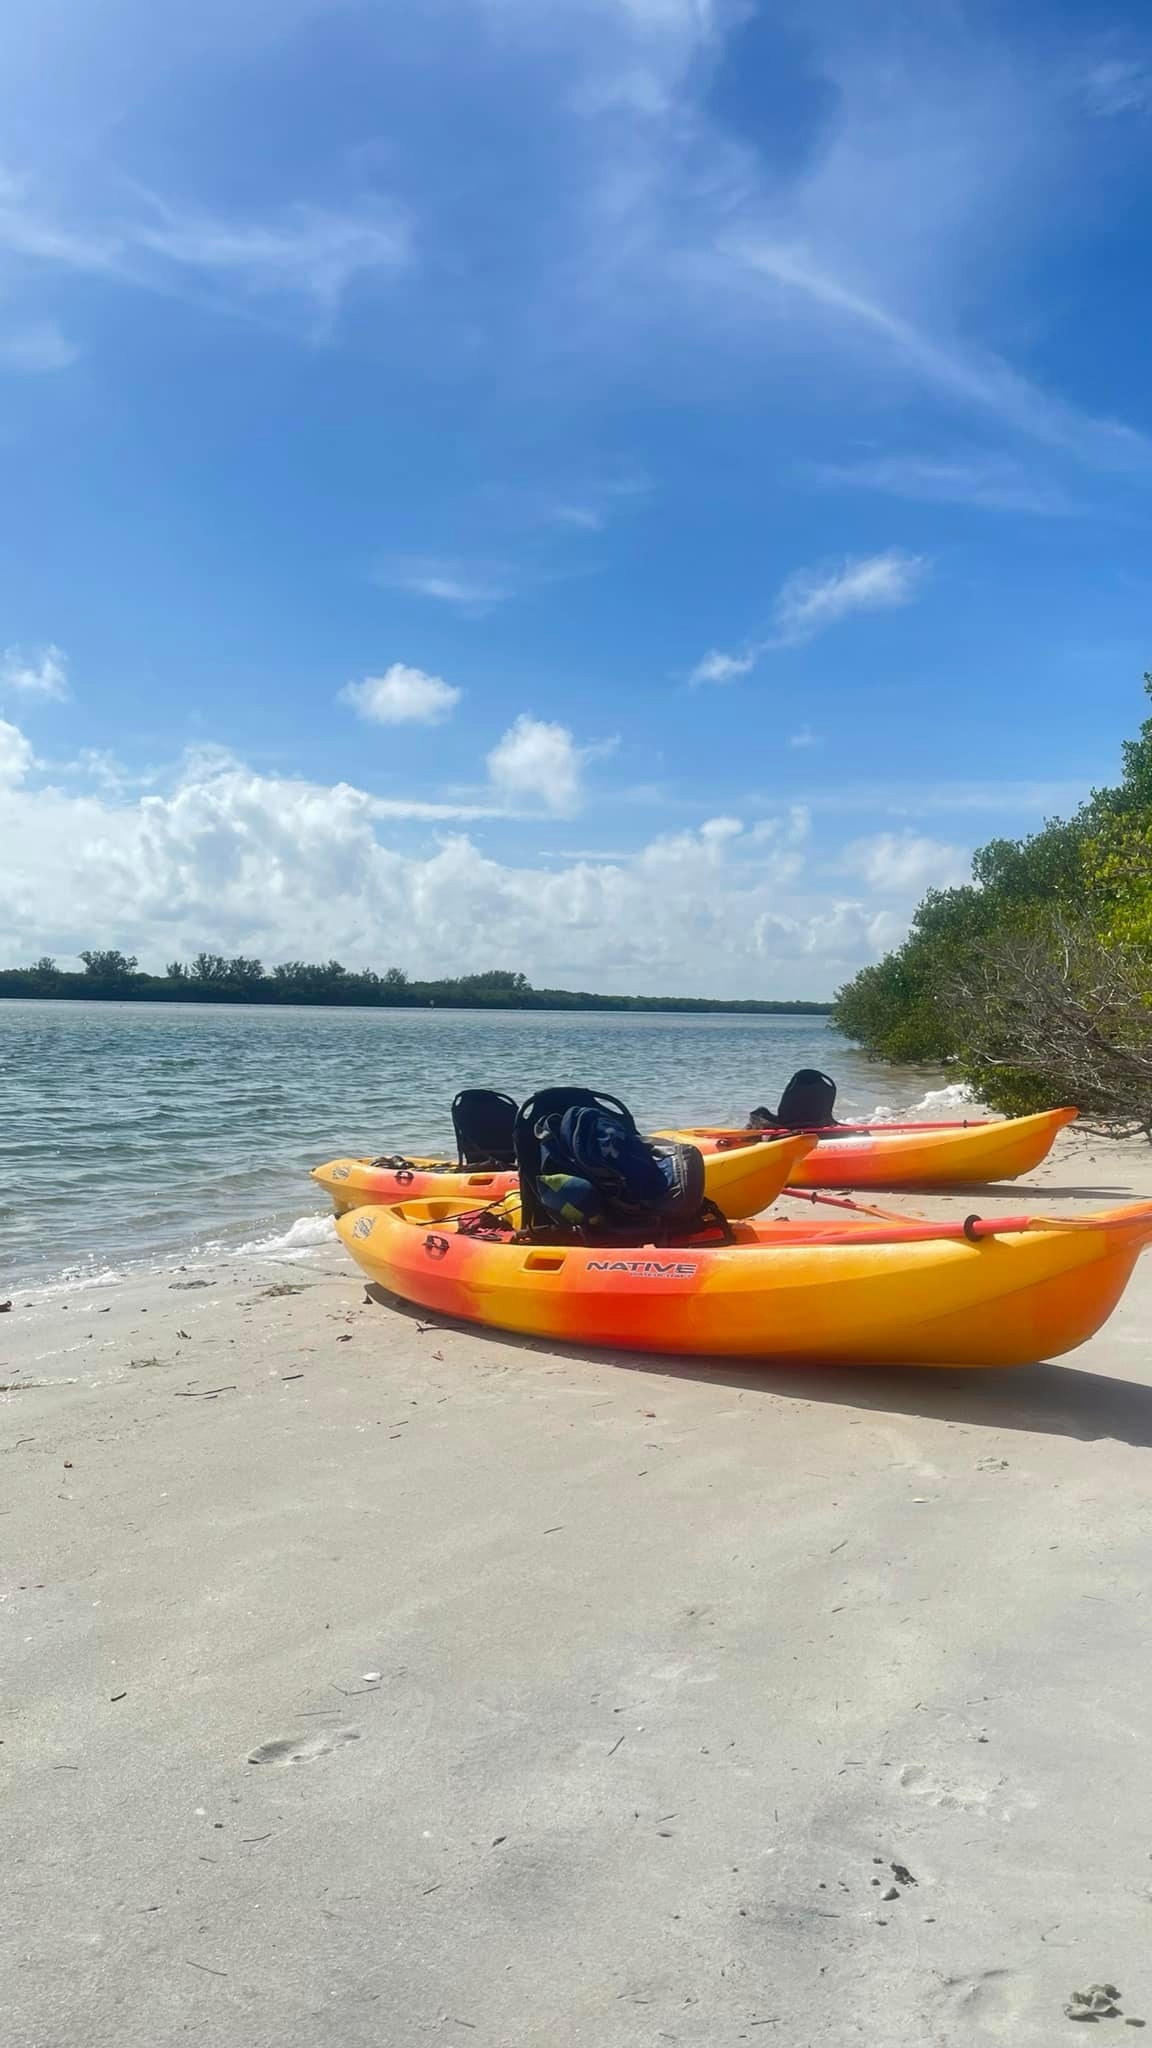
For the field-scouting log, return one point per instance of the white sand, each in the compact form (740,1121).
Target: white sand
(615,1686)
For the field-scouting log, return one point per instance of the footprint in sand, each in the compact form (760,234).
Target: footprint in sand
(992,2005)
(923,1785)
(302,1749)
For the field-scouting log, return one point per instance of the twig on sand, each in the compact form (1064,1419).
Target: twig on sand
(205,1393)
(206,1967)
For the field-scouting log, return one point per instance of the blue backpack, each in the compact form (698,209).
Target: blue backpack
(584,1166)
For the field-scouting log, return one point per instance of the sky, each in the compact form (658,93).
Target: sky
(631,491)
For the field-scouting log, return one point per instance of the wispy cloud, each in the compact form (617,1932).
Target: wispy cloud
(935,155)
(36,347)
(300,251)
(39,673)
(991,483)
(305,250)
(1117,86)
(585,518)
(718,667)
(444,582)
(811,600)
(805,737)
(402,696)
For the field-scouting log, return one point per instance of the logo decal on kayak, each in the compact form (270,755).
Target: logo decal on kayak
(648,1269)
(364,1227)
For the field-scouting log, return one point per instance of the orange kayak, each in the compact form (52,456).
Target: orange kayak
(1006,1291)
(910,1156)
(740,1178)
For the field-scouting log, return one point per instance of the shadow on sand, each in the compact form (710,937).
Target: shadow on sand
(1048,1400)
(1000,1190)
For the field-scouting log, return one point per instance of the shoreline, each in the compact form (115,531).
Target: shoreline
(374,1680)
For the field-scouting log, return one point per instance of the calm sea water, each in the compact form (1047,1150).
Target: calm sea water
(142,1132)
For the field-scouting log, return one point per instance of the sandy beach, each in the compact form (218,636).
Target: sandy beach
(373,1681)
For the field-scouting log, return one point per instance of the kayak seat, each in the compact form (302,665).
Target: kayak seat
(485,1123)
(807,1104)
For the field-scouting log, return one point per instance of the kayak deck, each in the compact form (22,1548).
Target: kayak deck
(892,1156)
(814,1291)
(741,1178)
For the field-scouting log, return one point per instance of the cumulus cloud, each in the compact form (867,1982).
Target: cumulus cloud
(538,759)
(15,754)
(906,863)
(402,696)
(42,673)
(282,867)
(810,600)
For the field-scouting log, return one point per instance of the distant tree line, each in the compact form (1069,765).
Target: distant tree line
(112,976)
(1035,978)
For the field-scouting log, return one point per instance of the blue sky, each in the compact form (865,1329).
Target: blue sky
(632,490)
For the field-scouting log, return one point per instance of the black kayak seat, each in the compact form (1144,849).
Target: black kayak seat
(807,1104)
(484,1121)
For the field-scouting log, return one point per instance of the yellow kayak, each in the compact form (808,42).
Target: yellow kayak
(1000,1292)
(910,1155)
(741,1178)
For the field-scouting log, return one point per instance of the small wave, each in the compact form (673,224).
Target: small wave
(72,1278)
(939,1105)
(301,1237)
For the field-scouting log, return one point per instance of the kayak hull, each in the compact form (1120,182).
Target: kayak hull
(741,1179)
(888,1157)
(829,1294)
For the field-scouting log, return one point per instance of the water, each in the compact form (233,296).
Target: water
(137,1133)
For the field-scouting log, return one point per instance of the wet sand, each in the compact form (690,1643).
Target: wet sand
(370,1681)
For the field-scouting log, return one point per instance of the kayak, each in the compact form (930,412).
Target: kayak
(911,1155)
(1005,1291)
(740,1178)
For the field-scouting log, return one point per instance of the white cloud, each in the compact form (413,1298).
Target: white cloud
(402,696)
(811,600)
(15,754)
(906,863)
(890,235)
(302,250)
(805,737)
(286,868)
(36,347)
(306,249)
(443,582)
(585,518)
(1118,86)
(993,483)
(723,668)
(538,759)
(40,674)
